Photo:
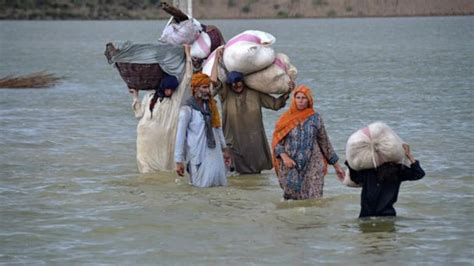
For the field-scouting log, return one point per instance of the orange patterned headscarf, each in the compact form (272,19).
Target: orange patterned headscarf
(198,80)
(290,119)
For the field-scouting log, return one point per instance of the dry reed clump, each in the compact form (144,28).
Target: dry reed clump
(35,80)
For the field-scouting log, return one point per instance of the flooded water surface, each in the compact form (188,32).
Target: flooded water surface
(71,194)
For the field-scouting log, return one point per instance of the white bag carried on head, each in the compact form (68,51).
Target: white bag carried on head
(201,47)
(274,78)
(180,33)
(249,51)
(374,145)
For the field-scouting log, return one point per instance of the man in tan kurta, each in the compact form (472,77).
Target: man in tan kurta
(243,125)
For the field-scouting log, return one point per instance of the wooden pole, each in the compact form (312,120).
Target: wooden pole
(186,5)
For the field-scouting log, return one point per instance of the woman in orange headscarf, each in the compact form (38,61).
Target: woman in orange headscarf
(302,150)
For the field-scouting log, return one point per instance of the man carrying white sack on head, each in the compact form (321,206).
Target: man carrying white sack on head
(243,123)
(376,158)
(200,143)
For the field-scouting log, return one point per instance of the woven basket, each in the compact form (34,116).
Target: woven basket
(140,76)
(137,76)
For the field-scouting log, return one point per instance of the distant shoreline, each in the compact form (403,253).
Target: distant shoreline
(260,18)
(234,9)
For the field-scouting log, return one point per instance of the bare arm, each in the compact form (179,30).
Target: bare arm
(137,106)
(414,172)
(216,83)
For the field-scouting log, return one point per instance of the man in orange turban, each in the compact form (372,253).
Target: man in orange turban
(200,142)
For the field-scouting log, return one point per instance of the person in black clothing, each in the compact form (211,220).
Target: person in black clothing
(380,185)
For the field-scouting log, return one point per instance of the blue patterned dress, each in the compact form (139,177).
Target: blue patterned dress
(308,145)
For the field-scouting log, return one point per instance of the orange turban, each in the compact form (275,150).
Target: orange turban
(199,79)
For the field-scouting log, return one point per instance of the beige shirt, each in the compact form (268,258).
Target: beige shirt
(243,127)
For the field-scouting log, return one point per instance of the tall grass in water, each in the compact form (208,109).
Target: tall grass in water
(35,80)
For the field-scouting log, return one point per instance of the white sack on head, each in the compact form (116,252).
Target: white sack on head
(201,47)
(374,145)
(273,79)
(249,51)
(207,67)
(180,33)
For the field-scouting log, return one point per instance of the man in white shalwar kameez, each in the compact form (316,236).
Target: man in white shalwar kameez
(200,143)
(156,130)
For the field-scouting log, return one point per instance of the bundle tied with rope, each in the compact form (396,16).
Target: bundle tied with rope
(373,146)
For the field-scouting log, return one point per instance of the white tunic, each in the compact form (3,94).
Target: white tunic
(156,135)
(206,165)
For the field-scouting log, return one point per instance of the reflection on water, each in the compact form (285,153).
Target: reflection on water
(377,225)
(71,193)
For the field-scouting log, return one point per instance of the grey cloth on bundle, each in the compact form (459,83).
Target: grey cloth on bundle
(171,58)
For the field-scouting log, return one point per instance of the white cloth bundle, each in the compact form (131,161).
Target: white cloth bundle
(249,51)
(201,47)
(274,78)
(180,33)
(374,145)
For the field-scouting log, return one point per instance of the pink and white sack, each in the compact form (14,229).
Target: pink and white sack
(201,47)
(249,51)
(274,78)
(186,31)
(374,145)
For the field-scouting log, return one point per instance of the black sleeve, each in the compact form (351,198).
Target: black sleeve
(354,175)
(414,172)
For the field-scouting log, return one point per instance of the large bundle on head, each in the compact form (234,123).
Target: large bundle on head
(209,39)
(374,145)
(250,51)
(180,33)
(182,29)
(142,66)
(274,78)
(201,47)
(140,76)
